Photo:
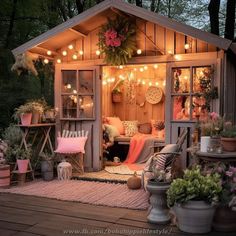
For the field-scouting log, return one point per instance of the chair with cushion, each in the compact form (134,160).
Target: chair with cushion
(70,145)
(165,158)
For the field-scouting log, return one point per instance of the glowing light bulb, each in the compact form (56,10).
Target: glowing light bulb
(186,46)
(177,57)
(143,82)
(164,83)
(185,77)
(70,46)
(121,67)
(113,79)
(108,80)
(64,53)
(75,100)
(81,52)
(46,61)
(145,67)
(68,86)
(104,82)
(201,73)
(150,83)
(98,52)
(58,60)
(74,57)
(139,80)
(169,52)
(156,83)
(49,53)
(155,66)
(135,69)
(139,51)
(74,91)
(141,69)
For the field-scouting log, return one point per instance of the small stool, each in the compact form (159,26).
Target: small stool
(64,171)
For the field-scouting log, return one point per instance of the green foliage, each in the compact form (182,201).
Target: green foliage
(194,186)
(12,135)
(23,154)
(229,133)
(125,31)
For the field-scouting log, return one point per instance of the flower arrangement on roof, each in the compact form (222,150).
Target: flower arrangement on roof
(117,40)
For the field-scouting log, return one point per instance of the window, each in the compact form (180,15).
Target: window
(190,92)
(77,94)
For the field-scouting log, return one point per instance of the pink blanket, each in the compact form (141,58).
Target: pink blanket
(136,145)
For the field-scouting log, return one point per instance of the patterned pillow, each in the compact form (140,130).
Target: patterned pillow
(131,127)
(145,128)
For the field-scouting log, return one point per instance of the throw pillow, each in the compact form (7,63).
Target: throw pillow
(131,127)
(145,128)
(115,121)
(71,145)
(112,132)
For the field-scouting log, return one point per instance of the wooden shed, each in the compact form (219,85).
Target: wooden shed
(173,76)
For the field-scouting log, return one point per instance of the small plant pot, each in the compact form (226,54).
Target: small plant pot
(205,141)
(194,216)
(26,119)
(22,165)
(228,144)
(116,97)
(35,118)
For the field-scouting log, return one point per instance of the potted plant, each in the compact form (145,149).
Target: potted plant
(22,158)
(24,113)
(157,185)
(116,95)
(37,111)
(228,137)
(49,114)
(47,165)
(225,215)
(194,199)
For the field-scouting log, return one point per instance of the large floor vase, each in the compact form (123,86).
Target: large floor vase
(194,216)
(159,213)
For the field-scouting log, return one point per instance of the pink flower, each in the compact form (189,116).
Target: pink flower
(232,169)
(219,169)
(110,34)
(214,116)
(229,173)
(116,42)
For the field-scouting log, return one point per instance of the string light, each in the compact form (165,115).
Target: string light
(141,69)
(156,83)
(46,61)
(121,67)
(68,86)
(74,57)
(145,67)
(187,46)
(169,52)
(81,52)
(135,69)
(98,52)
(58,60)
(113,79)
(177,57)
(74,91)
(164,83)
(185,77)
(64,53)
(70,46)
(139,80)
(143,82)
(155,66)
(104,82)
(139,51)
(49,53)
(150,83)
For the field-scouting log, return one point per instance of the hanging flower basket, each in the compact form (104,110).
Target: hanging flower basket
(117,40)
(117,97)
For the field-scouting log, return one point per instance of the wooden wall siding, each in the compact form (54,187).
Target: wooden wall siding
(134,111)
(165,39)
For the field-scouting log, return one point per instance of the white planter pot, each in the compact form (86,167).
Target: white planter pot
(194,216)
(205,141)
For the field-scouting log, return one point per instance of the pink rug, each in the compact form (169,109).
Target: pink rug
(96,193)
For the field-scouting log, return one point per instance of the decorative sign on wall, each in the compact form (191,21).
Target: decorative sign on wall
(154,95)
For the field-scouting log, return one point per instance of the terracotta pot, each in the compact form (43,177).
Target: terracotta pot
(26,119)
(22,165)
(228,144)
(4,176)
(224,219)
(116,97)
(35,118)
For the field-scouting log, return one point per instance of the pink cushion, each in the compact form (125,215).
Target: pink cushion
(71,145)
(115,121)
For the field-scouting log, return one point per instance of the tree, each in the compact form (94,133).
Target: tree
(139,3)
(230,19)
(214,8)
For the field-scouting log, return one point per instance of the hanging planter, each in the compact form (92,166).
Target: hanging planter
(117,40)
(117,97)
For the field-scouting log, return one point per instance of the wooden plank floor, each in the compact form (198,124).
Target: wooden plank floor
(32,216)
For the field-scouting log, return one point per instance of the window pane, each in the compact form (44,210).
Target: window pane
(181,80)
(69,106)
(181,107)
(69,81)
(86,105)
(85,81)
(202,77)
(199,108)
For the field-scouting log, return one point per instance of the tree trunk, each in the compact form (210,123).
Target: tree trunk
(230,19)
(11,25)
(139,3)
(169,8)
(213,8)
(80,6)
(152,6)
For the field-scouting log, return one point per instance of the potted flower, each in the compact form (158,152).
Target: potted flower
(50,114)
(24,113)
(37,111)
(22,158)
(157,185)
(224,219)
(47,165)
(194,199)
(228,137)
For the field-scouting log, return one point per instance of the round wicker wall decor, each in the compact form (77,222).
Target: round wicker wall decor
(154,95)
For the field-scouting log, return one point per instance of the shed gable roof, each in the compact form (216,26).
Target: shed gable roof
(131,9)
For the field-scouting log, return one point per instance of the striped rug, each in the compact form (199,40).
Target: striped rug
(96,193)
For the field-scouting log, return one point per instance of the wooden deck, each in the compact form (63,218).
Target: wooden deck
(31,216)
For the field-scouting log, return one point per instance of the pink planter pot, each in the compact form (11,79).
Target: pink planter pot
(26,118)
(22,165)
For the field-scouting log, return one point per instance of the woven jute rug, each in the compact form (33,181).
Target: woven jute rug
(97,193)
